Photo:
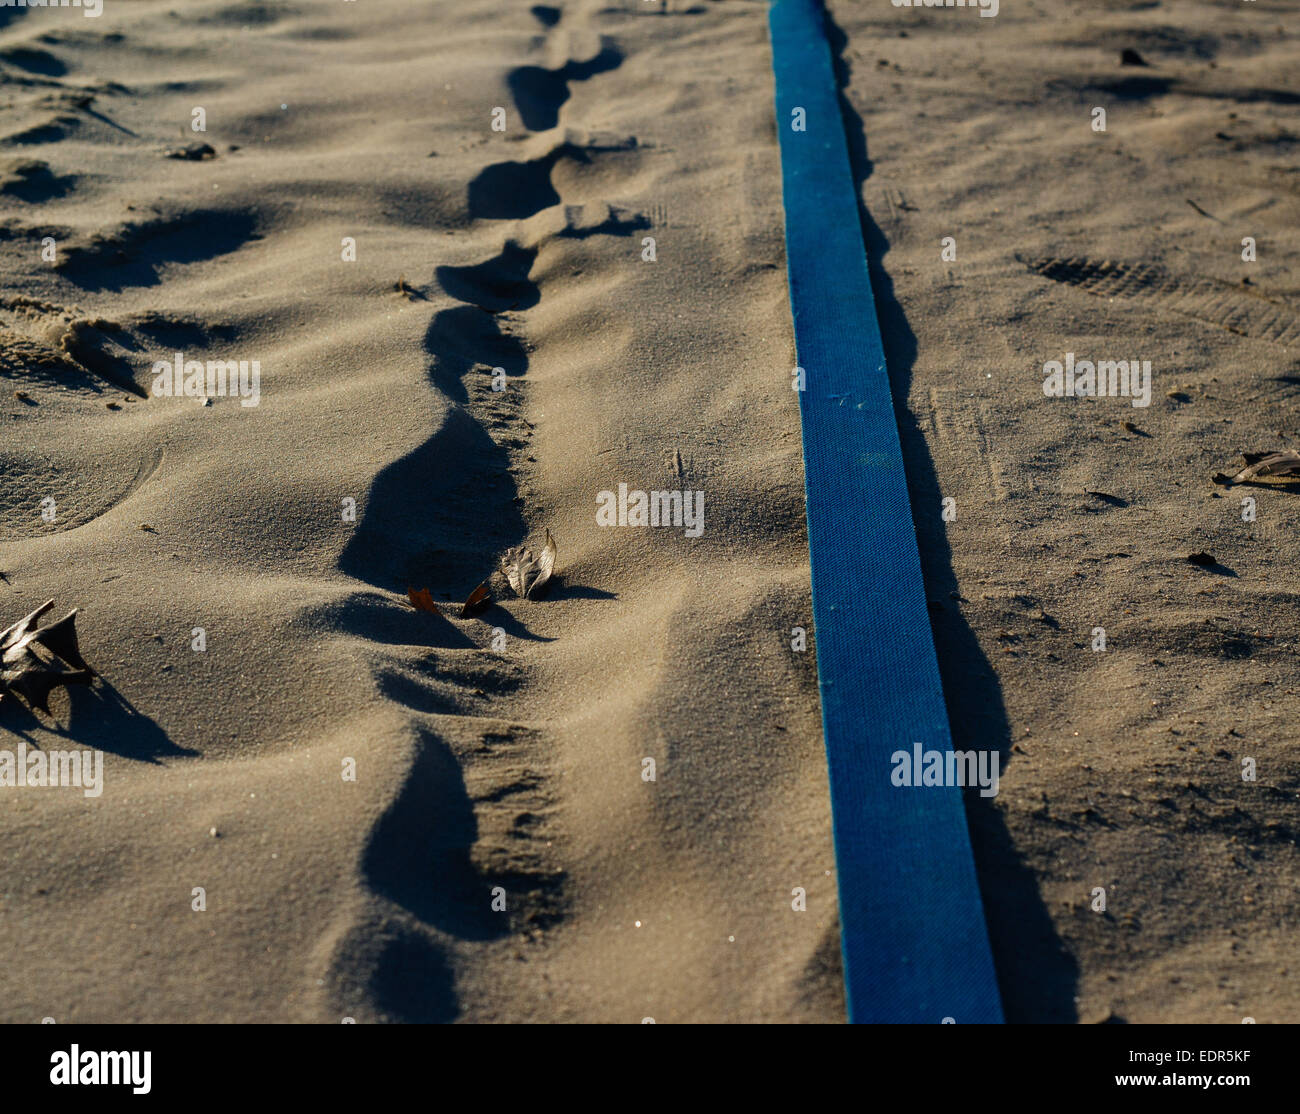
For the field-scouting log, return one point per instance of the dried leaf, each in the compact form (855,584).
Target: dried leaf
(1281,463)
(527,573)
(477,598)
(421,600)
(545,564)
(195,152)
(1284,462)
(35,660)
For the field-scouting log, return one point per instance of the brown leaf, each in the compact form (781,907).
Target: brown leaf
(421,600)
(34,660)
(1285,462)
(477,598)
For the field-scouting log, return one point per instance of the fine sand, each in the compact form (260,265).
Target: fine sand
(517,766)
(1123,768)
(504,756)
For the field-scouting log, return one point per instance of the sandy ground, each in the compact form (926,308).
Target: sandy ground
(504,751)
(505,755)
(1123,768)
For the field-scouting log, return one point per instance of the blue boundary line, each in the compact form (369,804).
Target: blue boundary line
(912,924)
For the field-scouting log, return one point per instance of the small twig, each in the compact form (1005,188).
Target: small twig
(1202,211)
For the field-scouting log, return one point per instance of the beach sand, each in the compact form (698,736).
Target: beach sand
(505,750)
(1123,767)
(504,756)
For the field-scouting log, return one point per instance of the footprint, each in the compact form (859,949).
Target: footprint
(447,537)
(138,252)
(518,190)
(399,970)
(256,14)
(499,284)
(462,824)
(29,476)
(43,344)
(378,618)
(436,687)
(539,93)
(33,60)
(32,181)
(466,338)
(50,128)
(438,516)
(1209,300)
(513,190)
(578,222)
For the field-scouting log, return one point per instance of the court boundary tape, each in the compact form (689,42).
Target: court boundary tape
(913,936)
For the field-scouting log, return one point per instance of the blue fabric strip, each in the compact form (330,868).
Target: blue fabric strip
(912,925)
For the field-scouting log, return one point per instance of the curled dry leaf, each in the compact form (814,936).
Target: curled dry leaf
(421,600)
(1284,462)
(35,660)
(527,573)
(477,599)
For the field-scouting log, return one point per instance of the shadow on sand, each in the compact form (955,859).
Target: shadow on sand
(1036,974)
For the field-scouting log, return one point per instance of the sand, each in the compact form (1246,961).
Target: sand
(503,757)
(505,750)
(1123,767)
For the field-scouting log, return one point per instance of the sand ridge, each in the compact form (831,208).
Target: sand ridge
(477,767)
